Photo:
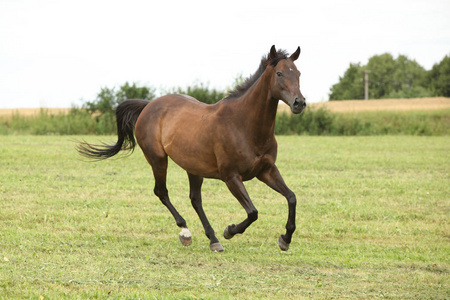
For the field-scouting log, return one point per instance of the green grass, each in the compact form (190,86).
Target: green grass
(372,222)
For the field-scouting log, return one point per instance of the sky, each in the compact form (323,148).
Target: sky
(61,53)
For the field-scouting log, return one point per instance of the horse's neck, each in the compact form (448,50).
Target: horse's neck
(259,111)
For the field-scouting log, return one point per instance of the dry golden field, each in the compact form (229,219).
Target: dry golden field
(381,105)
(334,106)
(30,111)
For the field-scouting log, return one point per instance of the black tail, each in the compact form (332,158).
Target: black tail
(127,114)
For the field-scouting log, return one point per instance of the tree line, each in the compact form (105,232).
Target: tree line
(391,77)
(108,98)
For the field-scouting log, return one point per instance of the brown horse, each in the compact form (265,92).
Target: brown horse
(232,140)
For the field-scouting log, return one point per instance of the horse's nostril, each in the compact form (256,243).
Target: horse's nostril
(299,104)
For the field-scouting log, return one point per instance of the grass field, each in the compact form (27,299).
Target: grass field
(372,222)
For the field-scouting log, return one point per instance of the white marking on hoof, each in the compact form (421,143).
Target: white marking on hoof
(282,244)
(185,237)
(185,233)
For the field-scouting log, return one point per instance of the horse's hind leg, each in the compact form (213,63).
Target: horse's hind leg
(195,184)
(159,167)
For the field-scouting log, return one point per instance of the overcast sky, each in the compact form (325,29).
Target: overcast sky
(59,53)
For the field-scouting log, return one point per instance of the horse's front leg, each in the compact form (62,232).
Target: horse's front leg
(236,187)
(272,178)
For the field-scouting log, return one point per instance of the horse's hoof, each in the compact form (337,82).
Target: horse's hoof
(216,247)
(185,237)
(282,244)
(227,234)
(185,241)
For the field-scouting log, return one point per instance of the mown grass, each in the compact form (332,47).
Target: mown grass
(373,222)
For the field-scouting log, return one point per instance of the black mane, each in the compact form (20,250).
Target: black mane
(265,61)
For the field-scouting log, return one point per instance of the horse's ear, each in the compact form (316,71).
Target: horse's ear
(295,55)
(273,52)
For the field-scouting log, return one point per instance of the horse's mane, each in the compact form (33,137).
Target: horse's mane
(265,61)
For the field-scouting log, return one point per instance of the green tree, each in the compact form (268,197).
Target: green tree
(396,78)
(389,78)
(127,91)
(350,86)
(408,73)
(105,102)
(438,78)
(382,68)
(104,105)
(108,99)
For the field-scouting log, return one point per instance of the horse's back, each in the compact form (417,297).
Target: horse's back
(179,126)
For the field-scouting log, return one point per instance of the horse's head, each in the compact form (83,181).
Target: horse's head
(285,82)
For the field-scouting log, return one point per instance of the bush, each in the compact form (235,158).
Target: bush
(77,121)
(311,122)
(108,99)
(201,92)
(323,122)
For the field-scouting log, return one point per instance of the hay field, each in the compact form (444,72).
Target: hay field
(334,106)
(350,106)
(31,111)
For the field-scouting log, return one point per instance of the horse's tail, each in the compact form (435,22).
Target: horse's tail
(127,114)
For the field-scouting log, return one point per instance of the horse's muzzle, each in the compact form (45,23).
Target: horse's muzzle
(299,105)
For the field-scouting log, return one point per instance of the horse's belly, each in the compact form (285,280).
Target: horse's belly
(193,158)
(196,166)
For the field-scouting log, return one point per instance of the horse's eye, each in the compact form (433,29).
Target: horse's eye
(279,74)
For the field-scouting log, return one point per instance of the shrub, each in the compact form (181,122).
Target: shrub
(323,122)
